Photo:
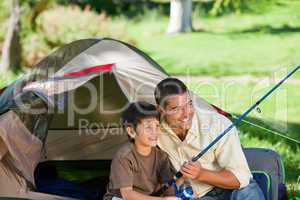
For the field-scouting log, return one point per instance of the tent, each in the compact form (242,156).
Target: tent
(67,110)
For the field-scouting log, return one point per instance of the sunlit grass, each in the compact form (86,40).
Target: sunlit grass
(7,78)
(255,44)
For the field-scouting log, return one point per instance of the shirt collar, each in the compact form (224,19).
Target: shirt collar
(192,134)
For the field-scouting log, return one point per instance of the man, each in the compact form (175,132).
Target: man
(139,167)
(223,172)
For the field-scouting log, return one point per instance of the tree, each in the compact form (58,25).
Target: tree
(12,50)
(180,16)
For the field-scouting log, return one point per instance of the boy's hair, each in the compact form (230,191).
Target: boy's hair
(136,112)
(167,87)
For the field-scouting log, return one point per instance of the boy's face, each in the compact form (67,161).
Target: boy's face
(147,132)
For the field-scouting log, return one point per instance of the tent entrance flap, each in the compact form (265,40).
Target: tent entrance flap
(98,102)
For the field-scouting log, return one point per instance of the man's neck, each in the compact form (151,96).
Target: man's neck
(180,133)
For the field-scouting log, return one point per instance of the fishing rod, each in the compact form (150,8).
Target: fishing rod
(277,133)
(217,139)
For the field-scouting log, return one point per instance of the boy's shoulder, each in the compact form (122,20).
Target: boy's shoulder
(161,153)
(125,151)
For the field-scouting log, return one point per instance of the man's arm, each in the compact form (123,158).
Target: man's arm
(235,172)
(223,179)
(129,194)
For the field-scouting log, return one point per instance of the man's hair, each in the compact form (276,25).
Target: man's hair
(137,111)
(167,87)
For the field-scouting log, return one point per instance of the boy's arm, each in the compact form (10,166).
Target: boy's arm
(129,194)
(167,172)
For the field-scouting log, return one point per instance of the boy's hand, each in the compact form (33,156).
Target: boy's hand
(171,198)
(192,170)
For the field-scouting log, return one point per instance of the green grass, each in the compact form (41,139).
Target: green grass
(255,44)
(8,78)
(280,111)
(235,97)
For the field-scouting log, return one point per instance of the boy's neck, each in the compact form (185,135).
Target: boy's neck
(142,149)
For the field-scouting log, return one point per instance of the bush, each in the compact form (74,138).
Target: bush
(62,25)
(66,24)
(223,7)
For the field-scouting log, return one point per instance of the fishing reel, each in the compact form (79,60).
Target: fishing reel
(184,191)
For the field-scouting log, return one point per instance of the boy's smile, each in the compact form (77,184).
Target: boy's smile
(147,132)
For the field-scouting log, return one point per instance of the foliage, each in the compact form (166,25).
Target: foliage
(128,8)
(59,28)
(56,27)
(4,14)
(221,7)
(247,44)
(9,78)
(220,38)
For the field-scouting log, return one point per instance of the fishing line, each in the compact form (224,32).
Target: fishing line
(268,130)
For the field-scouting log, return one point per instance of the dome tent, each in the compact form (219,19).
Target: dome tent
(71,103)
(67,109)
(108,72)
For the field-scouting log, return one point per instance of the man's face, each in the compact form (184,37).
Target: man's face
(147,132)
(178,111)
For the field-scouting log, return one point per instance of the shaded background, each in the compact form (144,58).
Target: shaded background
(231,54)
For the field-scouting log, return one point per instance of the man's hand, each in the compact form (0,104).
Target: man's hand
(192,170)
(223,178)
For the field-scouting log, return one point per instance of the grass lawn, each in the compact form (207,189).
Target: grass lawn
(255,44)
(232,45)
(250,43)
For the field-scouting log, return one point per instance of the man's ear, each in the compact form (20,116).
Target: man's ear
(131,131)
(161,112)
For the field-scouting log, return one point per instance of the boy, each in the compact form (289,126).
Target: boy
(139,167)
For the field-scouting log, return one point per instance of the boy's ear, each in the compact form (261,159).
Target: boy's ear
(158,109)
(131,132)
